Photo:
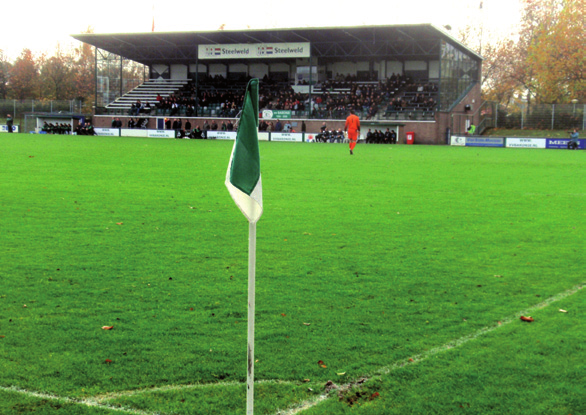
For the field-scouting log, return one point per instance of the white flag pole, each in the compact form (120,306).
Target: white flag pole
(251,293)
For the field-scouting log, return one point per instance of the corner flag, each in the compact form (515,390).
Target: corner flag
(244,184)
(243,176)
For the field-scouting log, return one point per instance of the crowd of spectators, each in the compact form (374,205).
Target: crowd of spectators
(57,128)
(332,99)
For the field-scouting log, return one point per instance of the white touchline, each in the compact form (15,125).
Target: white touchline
(101,400)
(296,409)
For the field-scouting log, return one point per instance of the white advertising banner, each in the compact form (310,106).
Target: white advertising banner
(458,140)
(4,128)
(161,133)
(292,137)
(254,51)
(131,132)
(222,135)
(110,132)
(263,136)
(526,142)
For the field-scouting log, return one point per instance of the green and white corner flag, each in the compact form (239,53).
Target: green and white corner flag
(243,176)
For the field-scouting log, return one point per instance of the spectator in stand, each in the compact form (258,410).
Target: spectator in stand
(369,137)
(288,127)
(206,126)
(214,125)
(131,123)
(278,126)
(230,126)
(167,123)
(137,107)
(116,123)
(187,126)
(147,108)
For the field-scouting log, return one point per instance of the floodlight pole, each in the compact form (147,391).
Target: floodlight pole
(251,295)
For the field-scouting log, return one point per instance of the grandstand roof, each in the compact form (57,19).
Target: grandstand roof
(397,42)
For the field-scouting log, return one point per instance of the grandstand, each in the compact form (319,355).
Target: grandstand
(409,77)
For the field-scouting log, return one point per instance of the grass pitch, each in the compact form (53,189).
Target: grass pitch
(362,261)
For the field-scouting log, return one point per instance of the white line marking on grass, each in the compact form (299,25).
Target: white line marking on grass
(100,401)
(114,395)
(432,352)
(90,402)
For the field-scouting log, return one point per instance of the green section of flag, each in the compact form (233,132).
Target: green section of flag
(245,168)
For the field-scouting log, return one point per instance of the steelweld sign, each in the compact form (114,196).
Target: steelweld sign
(254,51)
(562,143)
(485,141)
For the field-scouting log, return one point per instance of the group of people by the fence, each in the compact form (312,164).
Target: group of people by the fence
(57,128)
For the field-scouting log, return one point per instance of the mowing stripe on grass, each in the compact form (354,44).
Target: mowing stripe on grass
(99,400)
(432,352)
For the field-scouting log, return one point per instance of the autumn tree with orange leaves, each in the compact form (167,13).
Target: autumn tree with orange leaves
(544,64)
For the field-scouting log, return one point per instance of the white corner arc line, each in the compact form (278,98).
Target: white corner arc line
(297,409)
(90,402)
(100,400)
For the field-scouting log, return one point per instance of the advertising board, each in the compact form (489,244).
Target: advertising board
(222,135)
(477,141)
(110,132)
(291,137)
(516,142)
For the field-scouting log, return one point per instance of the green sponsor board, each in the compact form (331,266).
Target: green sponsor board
(276,114)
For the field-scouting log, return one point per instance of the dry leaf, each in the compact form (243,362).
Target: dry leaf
(321,362)
(341,373)
(107,327)
(324,366)
(527,319)
(119,223)
(306,380)
(108,361)
(374,396)
(306,324)
(284,315)
(563,311)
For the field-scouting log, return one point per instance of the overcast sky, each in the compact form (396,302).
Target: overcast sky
(47,24)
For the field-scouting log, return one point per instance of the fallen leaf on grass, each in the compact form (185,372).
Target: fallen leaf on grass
(341,373)
(306,324)
(108,361)
(284,315)
(563,311)
(119,223)
(306,380)
(411,360)
(374,396)
(1,337)
(107,327)
(527,319)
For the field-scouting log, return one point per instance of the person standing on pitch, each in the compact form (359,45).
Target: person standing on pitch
(353,127)
(9,123)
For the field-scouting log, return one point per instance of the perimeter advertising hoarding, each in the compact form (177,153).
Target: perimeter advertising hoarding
(485,141)
(291,137)
(254,51)
(263,136)
(110,132)
(562,143)
(222,135)
(526,142)
(458,140)
(158,133)
(4,128)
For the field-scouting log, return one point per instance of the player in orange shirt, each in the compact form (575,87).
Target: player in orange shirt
(352,126)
